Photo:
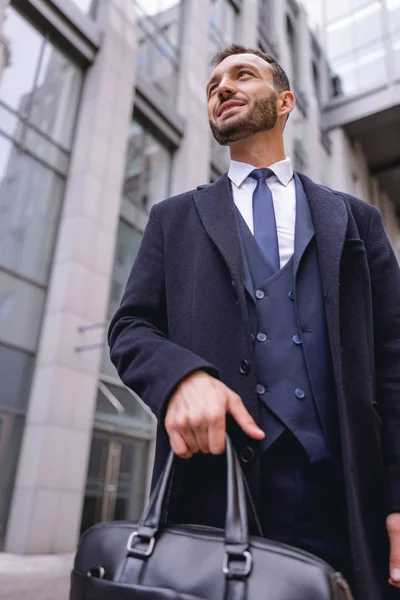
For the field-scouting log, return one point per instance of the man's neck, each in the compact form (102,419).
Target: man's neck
(260,150)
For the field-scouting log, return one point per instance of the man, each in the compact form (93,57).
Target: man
(269,305)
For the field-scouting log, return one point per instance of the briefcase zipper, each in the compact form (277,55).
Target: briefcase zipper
(344,586)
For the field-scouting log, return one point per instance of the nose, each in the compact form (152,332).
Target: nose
(224,93)
(225,89)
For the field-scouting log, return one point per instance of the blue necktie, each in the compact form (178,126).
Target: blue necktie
(264,217)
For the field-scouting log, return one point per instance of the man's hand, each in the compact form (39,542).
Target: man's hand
(196,416)
(393,528)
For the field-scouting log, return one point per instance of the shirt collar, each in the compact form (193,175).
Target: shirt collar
(239,171)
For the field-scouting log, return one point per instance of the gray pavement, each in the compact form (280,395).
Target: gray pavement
(34,577)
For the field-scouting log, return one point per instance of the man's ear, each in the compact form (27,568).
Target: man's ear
(287,102)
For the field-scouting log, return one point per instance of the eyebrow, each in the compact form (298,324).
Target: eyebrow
(234,68)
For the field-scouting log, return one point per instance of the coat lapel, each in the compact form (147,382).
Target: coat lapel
(216,210)
(329,216)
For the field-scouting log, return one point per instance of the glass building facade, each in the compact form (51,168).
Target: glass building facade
(40,87)
(363,43)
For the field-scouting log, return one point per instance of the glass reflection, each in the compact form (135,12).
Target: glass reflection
(30,201)
(18,73)
(38,82)
(147,168)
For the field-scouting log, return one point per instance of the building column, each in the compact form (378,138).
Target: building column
(191,164)
(49,491)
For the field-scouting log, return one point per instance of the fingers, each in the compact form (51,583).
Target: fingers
(179,446)
(393,528)
(217,431)
(196,416)
(238,411)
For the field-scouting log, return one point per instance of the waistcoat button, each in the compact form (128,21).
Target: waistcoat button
(300,394)
(291,295)
(260,389)
(247,454)
(261,337)
(260,294)
(244,367)
(297,339)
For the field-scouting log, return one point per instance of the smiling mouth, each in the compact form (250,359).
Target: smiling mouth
(229,108)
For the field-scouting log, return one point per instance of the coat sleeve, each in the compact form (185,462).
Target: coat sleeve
(146,360)
(385,284)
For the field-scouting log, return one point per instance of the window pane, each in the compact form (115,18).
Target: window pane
(147,168)
(16,369)
(30,200)
(86,6)
(21,308)
(158,28)
(12,435)
(24,47)
(126,412)
(223,20)
(56,97)
(128,241)
(131,488)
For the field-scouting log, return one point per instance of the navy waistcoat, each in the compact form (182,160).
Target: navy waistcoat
(287,316)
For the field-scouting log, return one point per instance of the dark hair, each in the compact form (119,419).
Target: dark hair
(281,81)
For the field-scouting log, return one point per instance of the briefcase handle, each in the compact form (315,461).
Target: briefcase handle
(236,524)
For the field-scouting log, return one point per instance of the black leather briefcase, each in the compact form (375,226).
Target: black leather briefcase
(154,561)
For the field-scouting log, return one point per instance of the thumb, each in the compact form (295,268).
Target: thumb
(393,528)
(238,411)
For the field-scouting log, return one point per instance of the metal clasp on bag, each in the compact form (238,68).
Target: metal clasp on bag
(248,560)
(96,571)
(135,551)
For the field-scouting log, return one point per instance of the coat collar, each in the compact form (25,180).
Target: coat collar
(328,212)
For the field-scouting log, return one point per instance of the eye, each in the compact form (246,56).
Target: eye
(244,73)
(212,88)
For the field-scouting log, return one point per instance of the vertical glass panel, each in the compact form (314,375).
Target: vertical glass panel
(338,9)
(340,42)
(347,74)
(56,98)
(11,429)
(131,487)
(396,56)
(128,242)
(371,69)
(24,46)
(223,21)
(21,309)
(147,168)
(86,6)
(159,26)
(16,369)
(291,38)
(154,7)
(368,29)
(95,483)
(394,18)
(30,200)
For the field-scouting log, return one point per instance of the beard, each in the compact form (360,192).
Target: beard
(261,117)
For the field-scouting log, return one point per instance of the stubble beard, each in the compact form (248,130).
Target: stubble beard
(262,117)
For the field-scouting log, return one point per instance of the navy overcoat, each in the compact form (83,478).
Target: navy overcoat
(184,309)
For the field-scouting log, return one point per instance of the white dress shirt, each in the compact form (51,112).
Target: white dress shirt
(283,191)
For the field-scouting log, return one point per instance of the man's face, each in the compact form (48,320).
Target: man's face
(241,98)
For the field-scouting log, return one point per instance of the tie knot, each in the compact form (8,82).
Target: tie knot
(261,174)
